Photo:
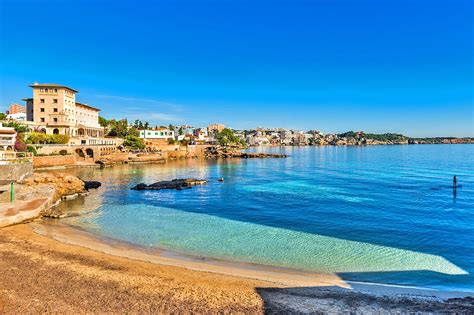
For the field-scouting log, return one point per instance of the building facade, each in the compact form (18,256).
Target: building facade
(16,109)
(7,138)
(161,133)
(215,128)
(55,110)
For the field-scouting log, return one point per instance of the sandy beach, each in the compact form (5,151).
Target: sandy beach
(42,274)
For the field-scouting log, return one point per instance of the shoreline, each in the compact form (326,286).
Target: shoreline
(57,277)
(278,275)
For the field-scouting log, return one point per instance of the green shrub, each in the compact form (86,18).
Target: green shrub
(32,149)
(133,142)
(42,138)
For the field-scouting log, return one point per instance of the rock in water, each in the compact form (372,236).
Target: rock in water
(91,184)
(178,184)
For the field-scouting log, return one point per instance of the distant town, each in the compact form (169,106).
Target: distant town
(52,121)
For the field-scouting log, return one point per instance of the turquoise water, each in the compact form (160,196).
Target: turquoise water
(384,214)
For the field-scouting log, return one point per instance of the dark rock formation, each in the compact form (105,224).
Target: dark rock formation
(230,152)
(178,184)
(91,184)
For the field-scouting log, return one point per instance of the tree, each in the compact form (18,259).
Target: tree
(133,142)
(103,122)
(227,138)
(118,128)
(18,127)
(3,116)
(133,132)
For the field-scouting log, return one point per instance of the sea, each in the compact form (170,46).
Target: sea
(376,214)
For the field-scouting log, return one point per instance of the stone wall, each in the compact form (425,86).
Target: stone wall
(54,160)
(15,171)
(53,149)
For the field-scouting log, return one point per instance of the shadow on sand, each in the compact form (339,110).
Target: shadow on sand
(363,298)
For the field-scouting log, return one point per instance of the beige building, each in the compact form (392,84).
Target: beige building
(214,128)
(54,110)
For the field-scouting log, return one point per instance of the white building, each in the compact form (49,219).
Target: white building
(161,133)
(17,116)
(7,138)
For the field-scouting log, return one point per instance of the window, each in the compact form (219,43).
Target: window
(56,90)
(42,109)
(42,119)
(42,100)
(55,119)
(55,109)
(55,100)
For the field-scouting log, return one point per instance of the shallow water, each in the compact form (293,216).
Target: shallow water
(384,214)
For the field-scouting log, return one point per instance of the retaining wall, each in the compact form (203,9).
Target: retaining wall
(55,160)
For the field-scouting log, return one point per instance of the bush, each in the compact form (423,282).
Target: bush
(18,127)
(32,149)
(42,138)
(227,138)
(20,145)
(59,139)
(133,142)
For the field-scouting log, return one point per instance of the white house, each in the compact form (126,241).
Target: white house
(161,133)
(17,116)
(7,138)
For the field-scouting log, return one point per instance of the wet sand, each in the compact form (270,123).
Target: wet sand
(42,274)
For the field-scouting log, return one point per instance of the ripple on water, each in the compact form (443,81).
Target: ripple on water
(202,234)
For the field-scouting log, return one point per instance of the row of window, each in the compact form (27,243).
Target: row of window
(55,100)
(49,90)
(161,133)
(55,109)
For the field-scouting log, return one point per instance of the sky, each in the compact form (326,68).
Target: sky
(402,66)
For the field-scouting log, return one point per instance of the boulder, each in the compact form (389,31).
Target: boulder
(91,184)
(178,184)
(63,184)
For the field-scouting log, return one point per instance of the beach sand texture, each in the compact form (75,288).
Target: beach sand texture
(40,274)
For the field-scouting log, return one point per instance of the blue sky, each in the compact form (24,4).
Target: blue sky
(332,65)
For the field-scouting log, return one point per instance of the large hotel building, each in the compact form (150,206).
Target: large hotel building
(54,110)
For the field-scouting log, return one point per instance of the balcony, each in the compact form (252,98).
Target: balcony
(7,142)
(59,119)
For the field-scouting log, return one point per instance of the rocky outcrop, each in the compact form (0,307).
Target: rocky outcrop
(178,184)
(63,184)
(229,152)
(91,184)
